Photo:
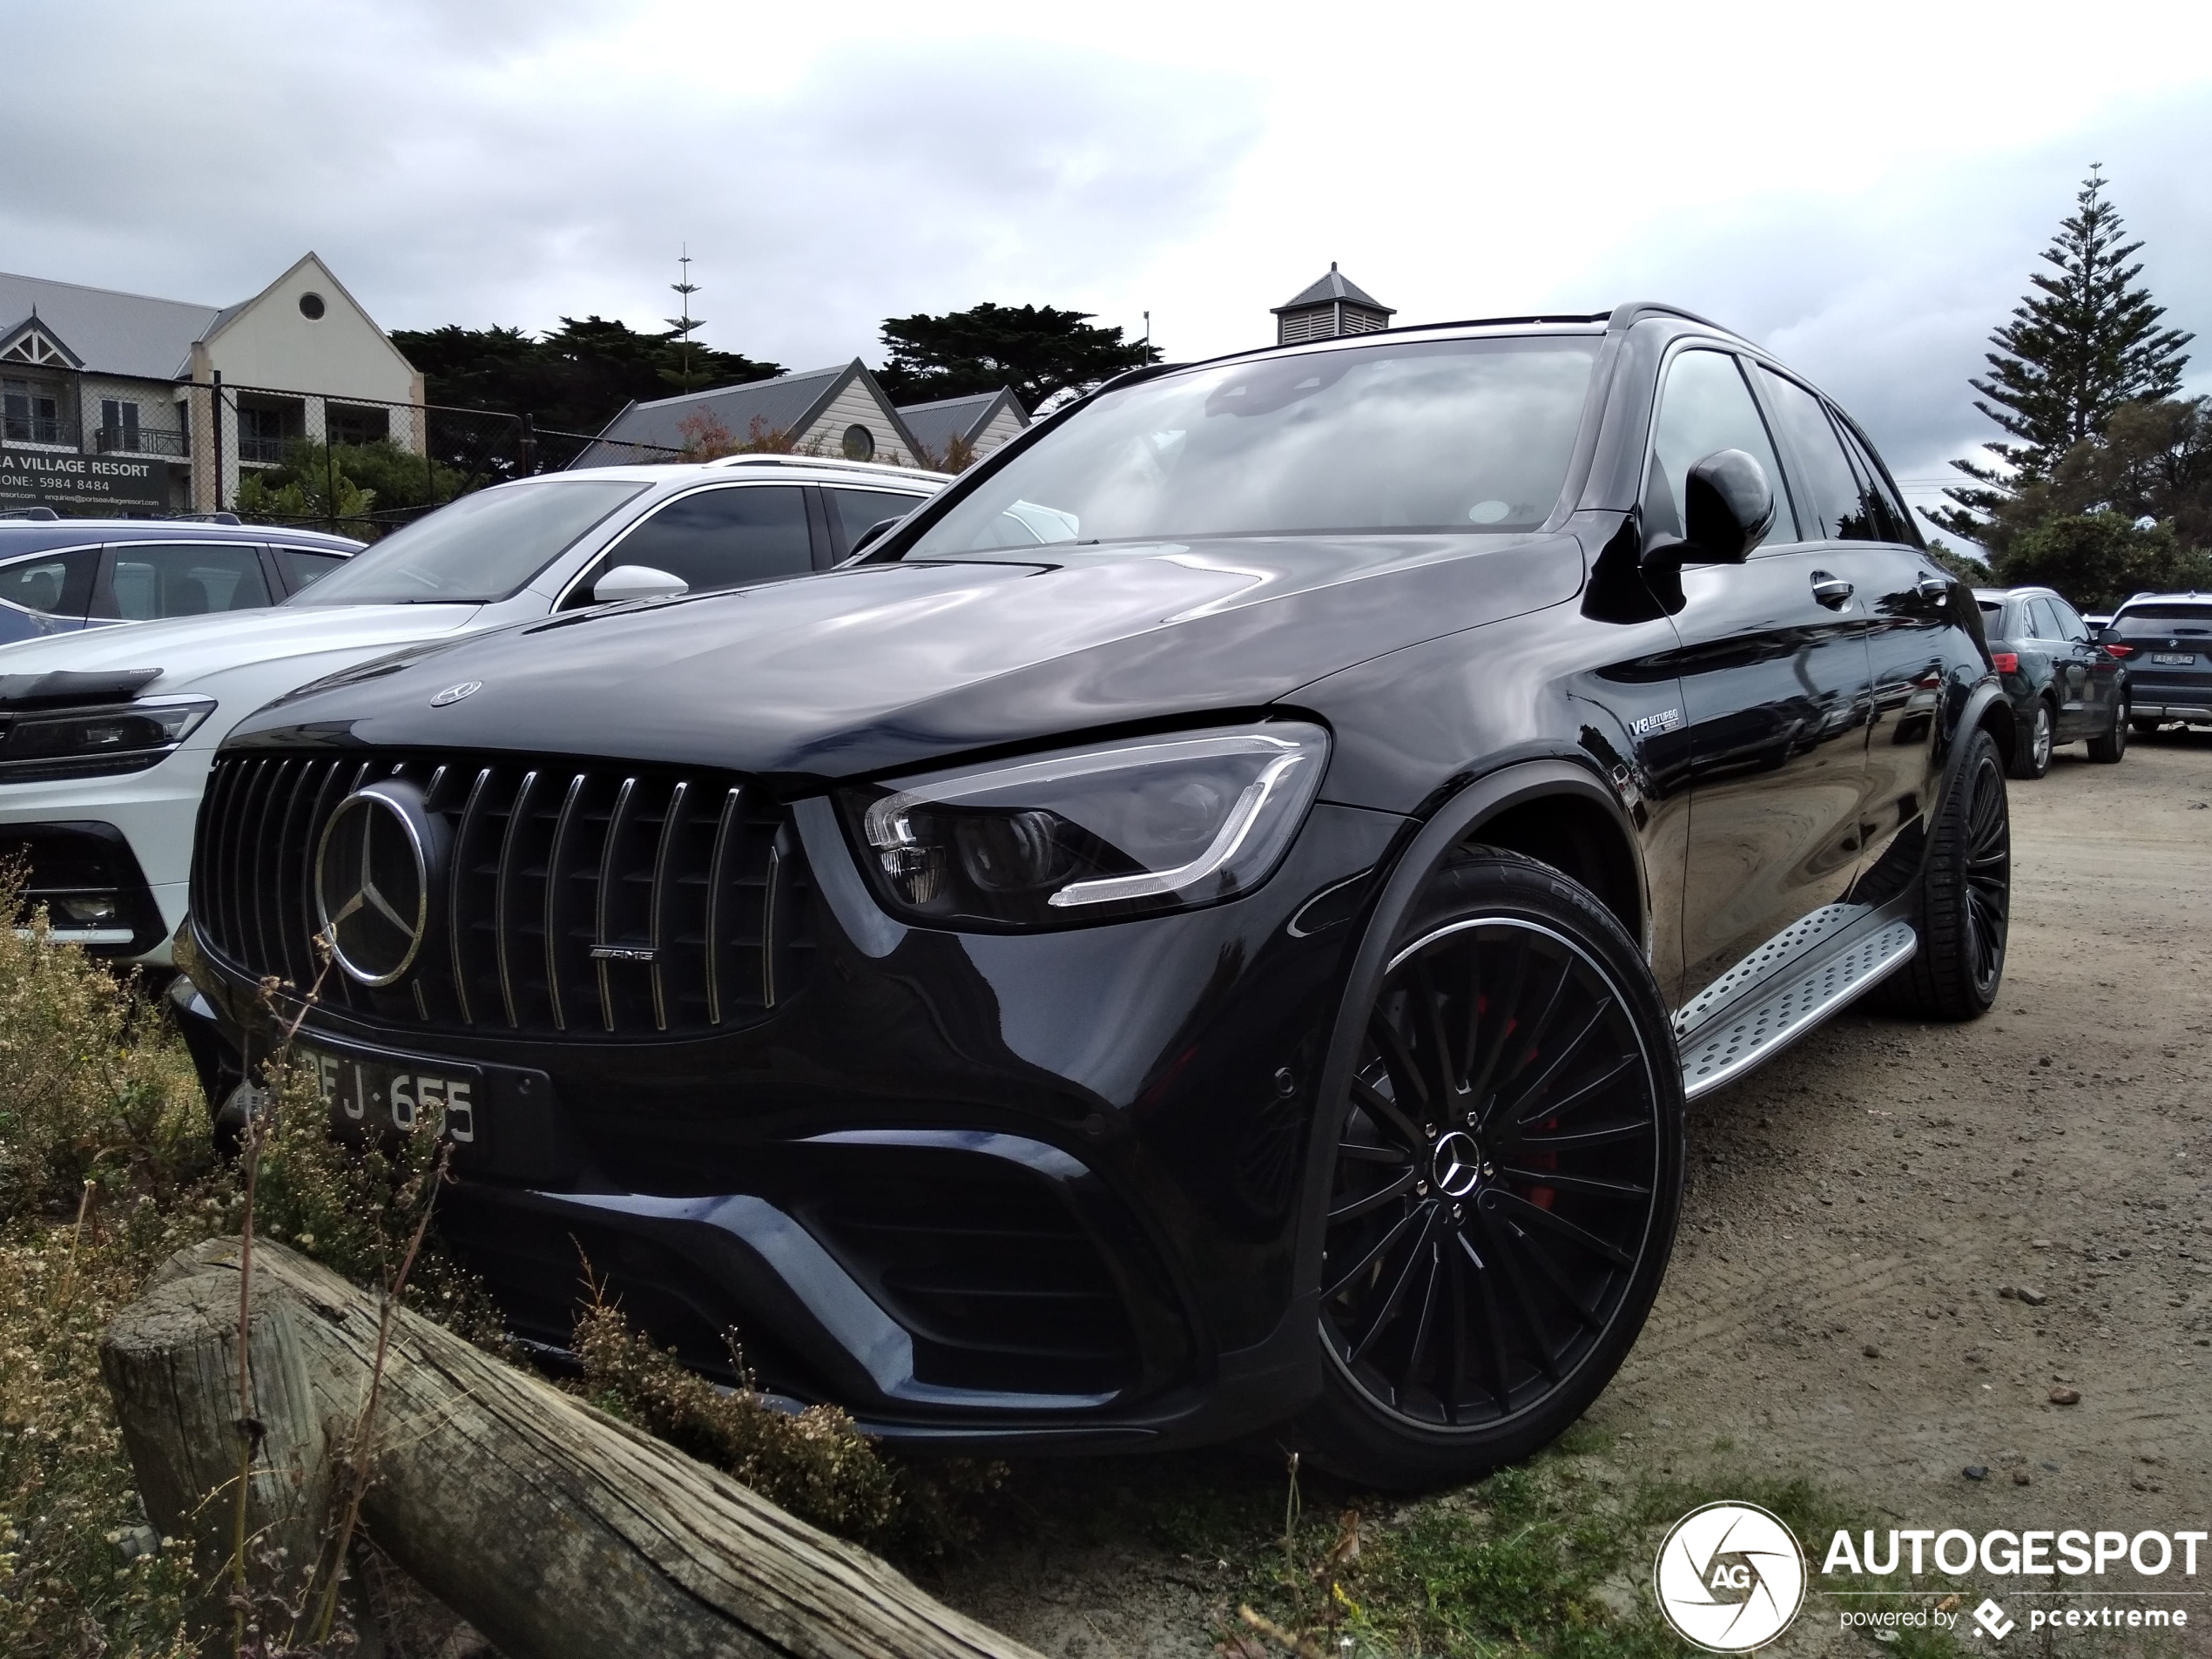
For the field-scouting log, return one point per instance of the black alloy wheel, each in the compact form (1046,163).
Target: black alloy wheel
(1506,1180)
(1965,898)
(2032,758)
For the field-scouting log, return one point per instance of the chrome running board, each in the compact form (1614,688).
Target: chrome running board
(1722,1037)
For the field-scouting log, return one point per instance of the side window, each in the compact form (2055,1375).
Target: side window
(53,584)
(854,512)
(1705,406)
(718,538)
(2071,627)
(1828,504)
(302,569)
(1885,514)
(149,580)
(2044,621)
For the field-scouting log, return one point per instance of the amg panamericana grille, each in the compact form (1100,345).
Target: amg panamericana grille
(582,898)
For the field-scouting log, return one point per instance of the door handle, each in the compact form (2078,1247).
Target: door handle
(1832,590)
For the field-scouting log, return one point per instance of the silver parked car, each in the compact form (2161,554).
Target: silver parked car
(105,735)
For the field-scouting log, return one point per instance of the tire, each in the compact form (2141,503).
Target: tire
(2031,754)
(2108,749)
(1964,901)
(1507,1175)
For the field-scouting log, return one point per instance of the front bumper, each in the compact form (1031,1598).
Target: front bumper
(125,839)
(1005,1190)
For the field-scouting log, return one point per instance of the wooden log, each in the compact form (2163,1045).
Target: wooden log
(553,1528)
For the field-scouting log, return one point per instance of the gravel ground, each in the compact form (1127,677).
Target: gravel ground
(1898,1241)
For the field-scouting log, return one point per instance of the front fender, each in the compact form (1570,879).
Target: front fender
(1456,822)
(1980,704)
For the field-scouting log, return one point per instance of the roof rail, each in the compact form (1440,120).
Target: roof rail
(876,468)
(1486,323)
(1636,310)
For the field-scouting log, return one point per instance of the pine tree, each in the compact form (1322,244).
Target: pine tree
(2087,341)
(680,330)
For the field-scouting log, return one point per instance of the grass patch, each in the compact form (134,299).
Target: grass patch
(1550,1558)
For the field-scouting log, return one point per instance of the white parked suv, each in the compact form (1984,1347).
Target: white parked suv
(105,736)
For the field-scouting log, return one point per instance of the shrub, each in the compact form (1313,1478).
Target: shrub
(2098,559)
(707,438)
(814,1463)
(106,1167)
(92,1085)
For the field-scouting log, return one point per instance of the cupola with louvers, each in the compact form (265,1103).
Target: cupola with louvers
(1333,306)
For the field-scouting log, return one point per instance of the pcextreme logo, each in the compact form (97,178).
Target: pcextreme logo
(1730,1577)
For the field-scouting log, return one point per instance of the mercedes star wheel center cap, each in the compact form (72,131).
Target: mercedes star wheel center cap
(374,880)
(1455,1163)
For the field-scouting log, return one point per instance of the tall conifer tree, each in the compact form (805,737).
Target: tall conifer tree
(2086,341)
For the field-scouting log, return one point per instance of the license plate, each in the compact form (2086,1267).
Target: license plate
(401,1094)
(2173,658)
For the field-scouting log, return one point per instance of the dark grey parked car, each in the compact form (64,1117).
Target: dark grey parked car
(60,575)
(2063,685)
(2166,641)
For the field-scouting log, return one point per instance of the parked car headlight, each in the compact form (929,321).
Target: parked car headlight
(115,737)
(1086,835)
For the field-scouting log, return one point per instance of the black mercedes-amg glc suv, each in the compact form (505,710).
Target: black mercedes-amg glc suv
(1209,923)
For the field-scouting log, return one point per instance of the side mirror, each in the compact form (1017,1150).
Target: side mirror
(1729,504)
(875,533)
(637,582)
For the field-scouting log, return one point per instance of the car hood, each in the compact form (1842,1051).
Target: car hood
(877,668)
(189,651)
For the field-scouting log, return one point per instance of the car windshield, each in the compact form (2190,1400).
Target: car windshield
(1413,436)
(472,552)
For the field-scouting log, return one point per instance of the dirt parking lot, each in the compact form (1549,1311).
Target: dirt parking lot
(1898,1240)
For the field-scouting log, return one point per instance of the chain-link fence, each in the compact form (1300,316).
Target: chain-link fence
(358,467)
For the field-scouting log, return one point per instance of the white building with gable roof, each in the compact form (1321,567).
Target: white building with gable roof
(108,400)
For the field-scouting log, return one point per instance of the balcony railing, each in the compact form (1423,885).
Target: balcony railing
(147,440)
(268,451)
(23,428)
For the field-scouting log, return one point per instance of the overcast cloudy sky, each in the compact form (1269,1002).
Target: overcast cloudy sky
(1862,188)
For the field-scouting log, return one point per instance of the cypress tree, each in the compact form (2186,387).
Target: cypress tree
(2086,341)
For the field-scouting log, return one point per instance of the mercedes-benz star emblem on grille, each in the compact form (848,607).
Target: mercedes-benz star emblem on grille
(375,871)
(454,694)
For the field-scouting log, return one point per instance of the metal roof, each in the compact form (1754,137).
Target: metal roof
(787,403)
(112,333)
(935,424)
(1330,288)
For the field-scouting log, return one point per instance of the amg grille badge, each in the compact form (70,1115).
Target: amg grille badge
(623,952)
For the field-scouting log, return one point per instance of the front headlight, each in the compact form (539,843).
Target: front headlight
(119,737)
(1089,835)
